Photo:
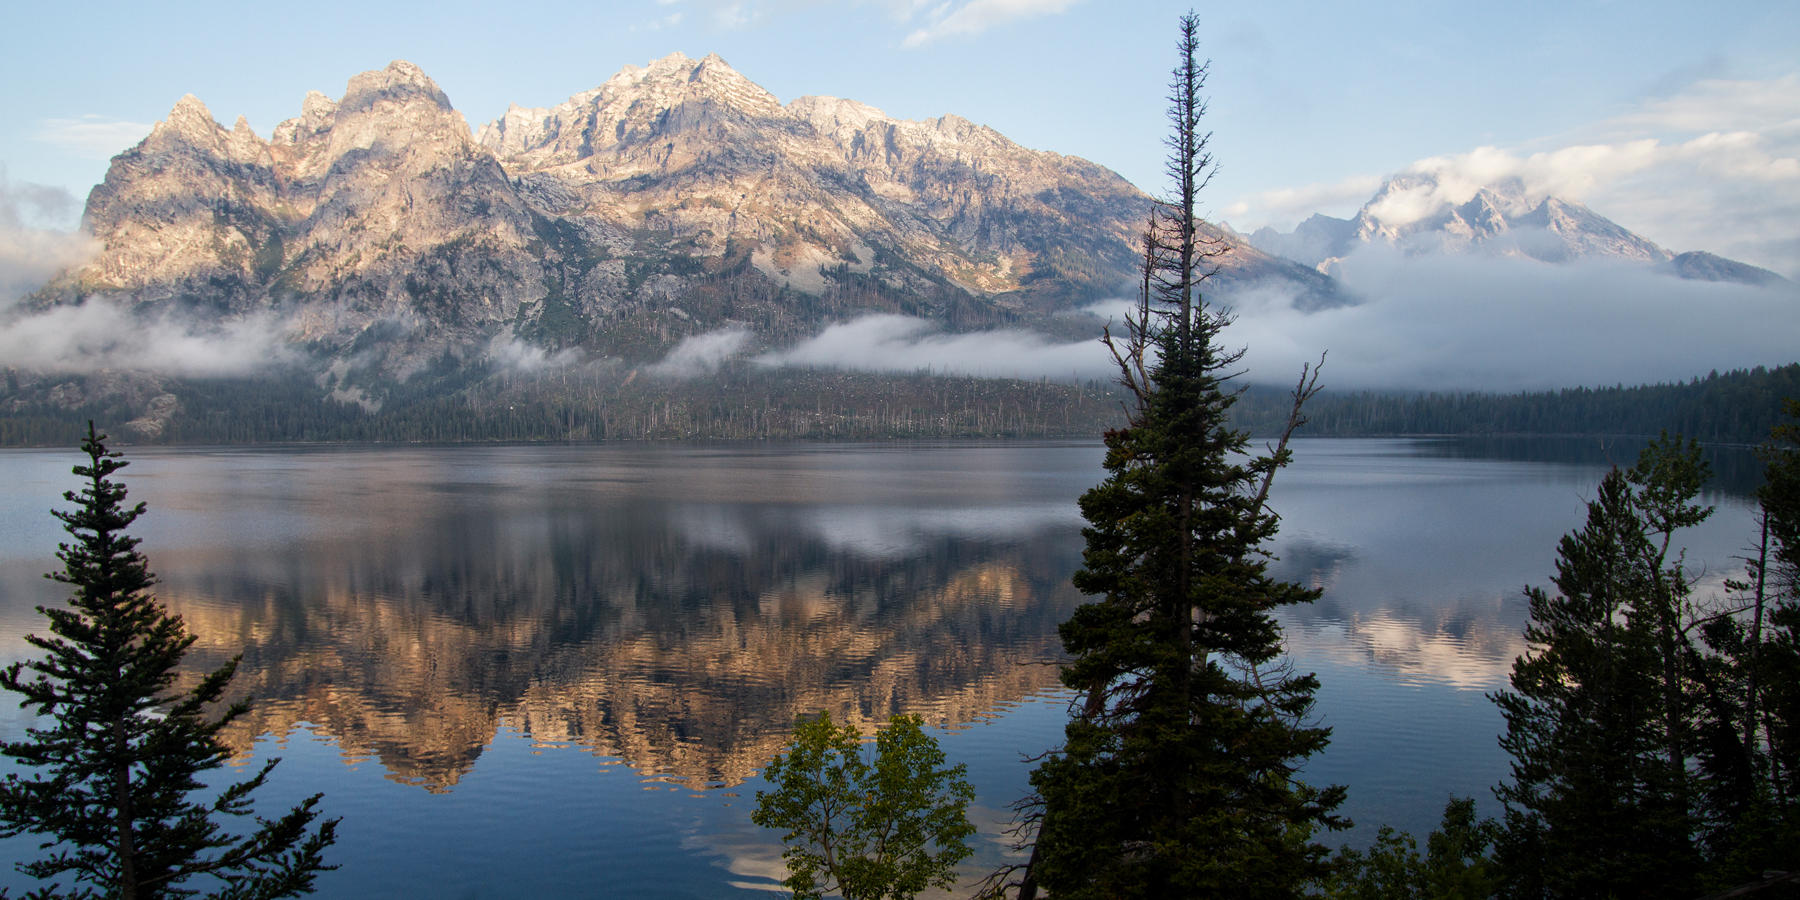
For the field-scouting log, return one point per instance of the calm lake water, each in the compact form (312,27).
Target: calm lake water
(556,671)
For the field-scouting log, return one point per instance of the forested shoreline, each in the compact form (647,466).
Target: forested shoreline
(1736,407)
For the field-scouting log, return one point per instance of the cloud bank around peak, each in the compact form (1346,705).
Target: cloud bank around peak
(98,334)
(30,252)
(1714,166)
(1485,323)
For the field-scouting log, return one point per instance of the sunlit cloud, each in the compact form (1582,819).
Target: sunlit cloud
(91,136)
(976,16)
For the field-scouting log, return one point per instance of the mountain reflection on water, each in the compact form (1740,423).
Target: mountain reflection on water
(694,672)
(674,613)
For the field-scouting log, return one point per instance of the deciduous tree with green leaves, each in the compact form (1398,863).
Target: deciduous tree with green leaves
(885,828)
(110,775)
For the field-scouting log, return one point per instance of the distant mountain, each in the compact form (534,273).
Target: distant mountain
(1407,214)
(1702,266)
(670,201)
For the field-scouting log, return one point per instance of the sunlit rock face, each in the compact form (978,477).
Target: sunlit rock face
(821,183)
(388,241)
(375,216)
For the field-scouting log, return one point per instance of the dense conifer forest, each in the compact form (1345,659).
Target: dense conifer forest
(1736,407)
(747,403)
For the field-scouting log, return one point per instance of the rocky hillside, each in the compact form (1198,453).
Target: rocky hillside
(390,242)
(1410,214)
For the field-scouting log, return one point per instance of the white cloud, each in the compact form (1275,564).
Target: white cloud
(523,357)
(97,335)
(977,16)
(701,354)
(1505,324)
(31,254)
(890,343)
(1285,207)
(1714,104)
(733,16)
(669,21)
(91,136)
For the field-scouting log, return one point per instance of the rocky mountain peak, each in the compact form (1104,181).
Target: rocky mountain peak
(243,146)
(191,121)
(316,108)
(401,83)
(1418,213)
(715,79)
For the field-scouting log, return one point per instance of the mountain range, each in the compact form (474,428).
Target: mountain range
(1411,213)
(376,253)
(671,200)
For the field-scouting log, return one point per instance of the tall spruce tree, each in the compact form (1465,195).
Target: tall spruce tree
(1778,715)
(110,776)
(1748,786)
(1599,718)
(1178,776)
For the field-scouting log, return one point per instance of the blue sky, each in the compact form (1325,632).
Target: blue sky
(1679,120)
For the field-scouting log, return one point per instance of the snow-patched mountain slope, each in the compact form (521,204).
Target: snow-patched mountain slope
(1416,214)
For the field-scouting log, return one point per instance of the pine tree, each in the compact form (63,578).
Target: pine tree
(1749,753)
(1598,720)
(112,769)
(1178,776)
(1779,714)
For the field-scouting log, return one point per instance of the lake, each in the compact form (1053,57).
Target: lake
(557,670)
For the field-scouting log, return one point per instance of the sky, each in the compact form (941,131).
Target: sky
(1680,121)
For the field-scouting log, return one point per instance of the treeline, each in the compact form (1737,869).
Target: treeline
(1736,407)
(746,404)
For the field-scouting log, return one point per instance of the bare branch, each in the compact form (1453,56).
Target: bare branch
(1303,391)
